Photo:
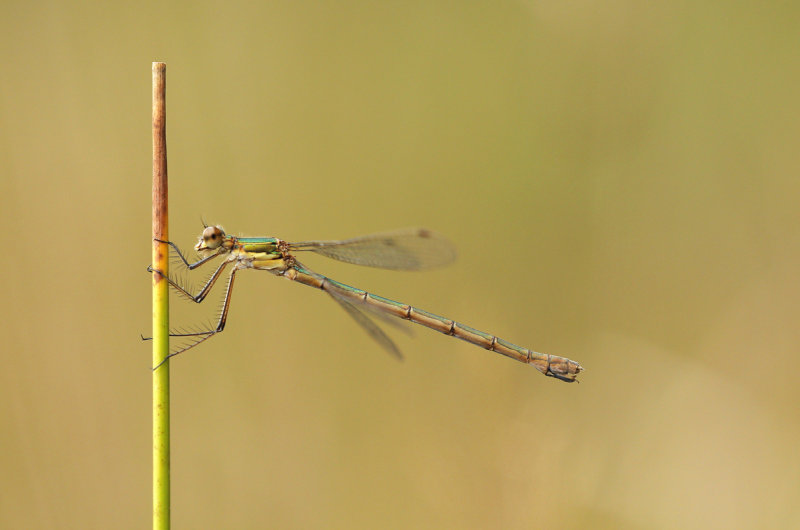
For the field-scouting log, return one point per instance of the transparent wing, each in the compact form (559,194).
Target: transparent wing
(410,249)
(377,334)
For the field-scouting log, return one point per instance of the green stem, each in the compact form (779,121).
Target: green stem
(161,486)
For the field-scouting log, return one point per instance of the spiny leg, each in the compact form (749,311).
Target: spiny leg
(200,335)
(191,266)
(205,335)
(199,297)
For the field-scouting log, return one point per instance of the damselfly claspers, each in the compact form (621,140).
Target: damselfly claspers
(411,249)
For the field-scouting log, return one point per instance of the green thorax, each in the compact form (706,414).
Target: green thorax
(268,245)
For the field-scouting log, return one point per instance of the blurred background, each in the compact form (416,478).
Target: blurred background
(621,181)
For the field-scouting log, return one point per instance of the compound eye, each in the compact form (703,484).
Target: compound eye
(212,237)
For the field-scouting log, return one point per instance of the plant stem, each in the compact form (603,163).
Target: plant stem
(161,486)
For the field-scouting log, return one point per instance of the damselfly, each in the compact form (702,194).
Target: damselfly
(413,249)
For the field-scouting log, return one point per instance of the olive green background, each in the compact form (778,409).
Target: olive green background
(621,181)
